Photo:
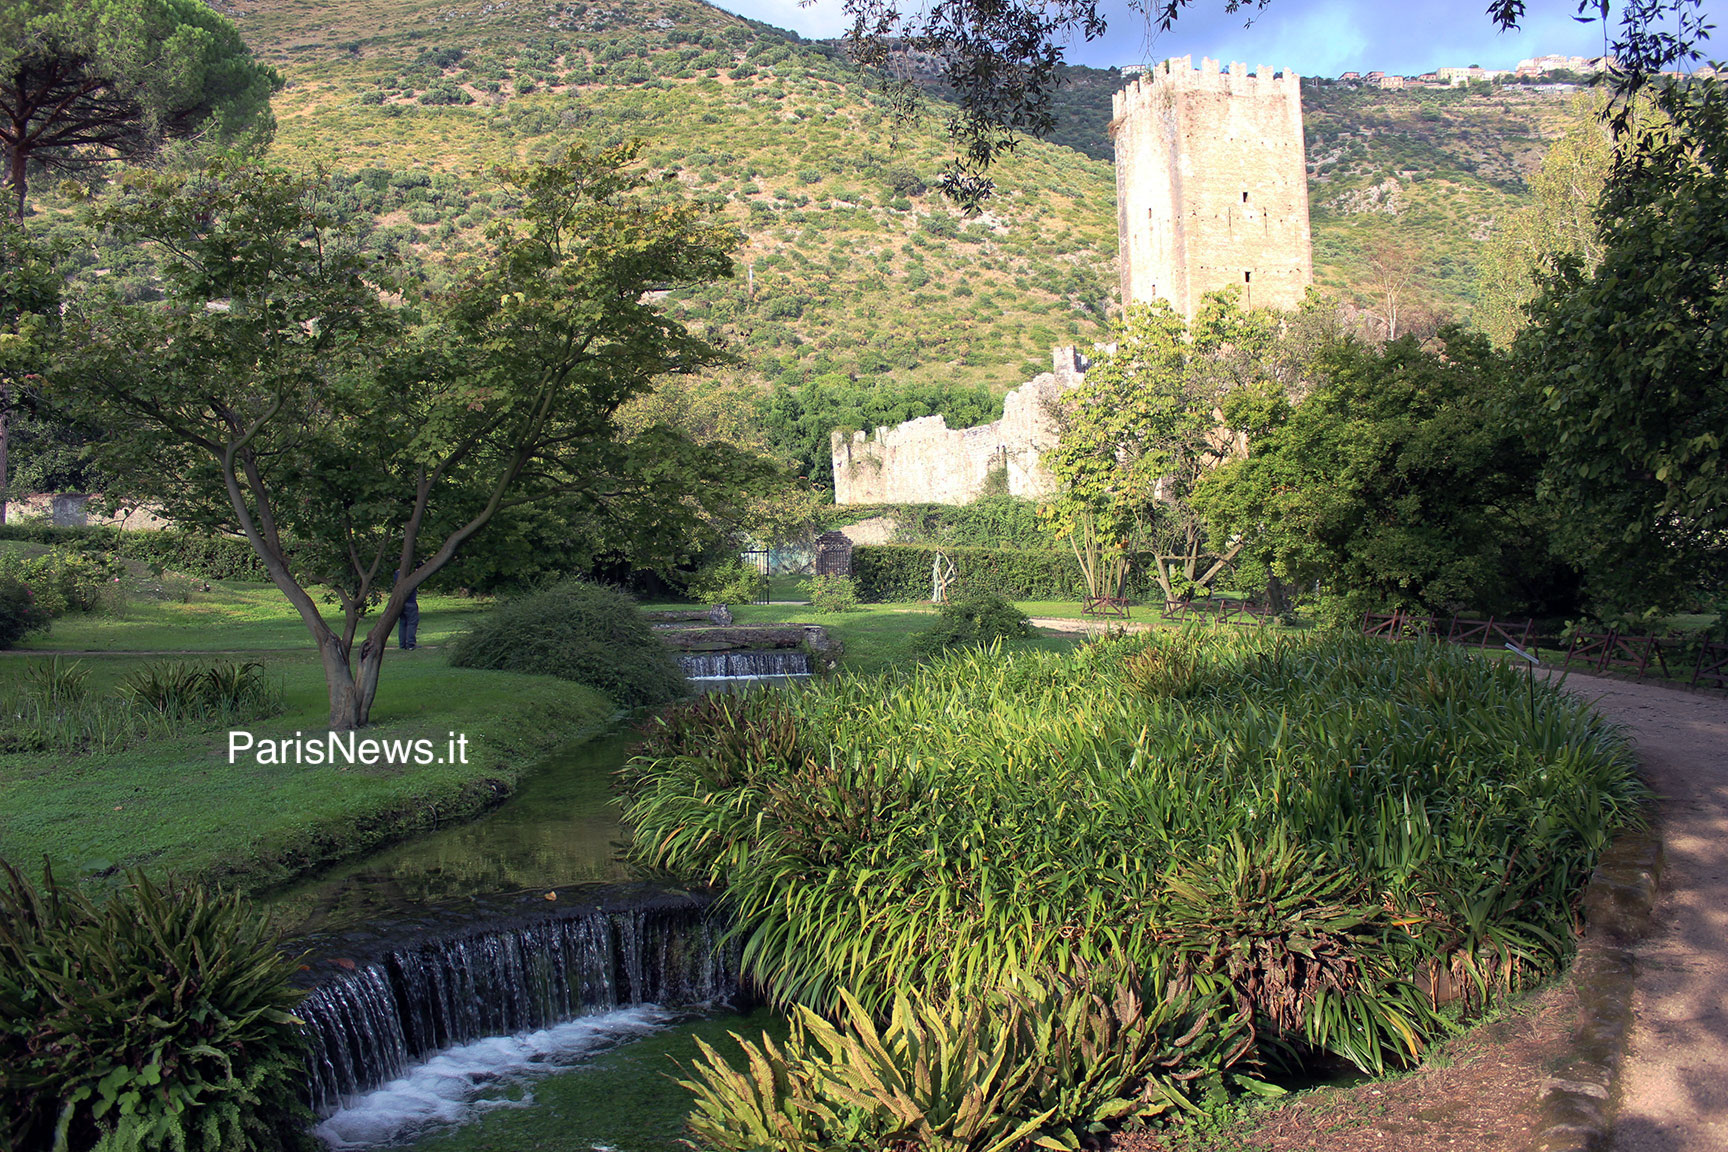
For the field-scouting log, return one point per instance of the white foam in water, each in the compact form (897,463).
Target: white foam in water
(460,1083)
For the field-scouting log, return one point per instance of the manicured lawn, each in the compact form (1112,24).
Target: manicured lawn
(176,803)
(232,616)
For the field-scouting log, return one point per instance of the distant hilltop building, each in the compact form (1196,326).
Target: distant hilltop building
(1475,73)
(1212,186)
(1582,65)
(1454,77)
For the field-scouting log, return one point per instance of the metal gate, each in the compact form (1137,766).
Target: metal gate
(756,559)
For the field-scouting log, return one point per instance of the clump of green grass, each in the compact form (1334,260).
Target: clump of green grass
(1320,827)
(159,1017)
(51,709)
(1059,1064)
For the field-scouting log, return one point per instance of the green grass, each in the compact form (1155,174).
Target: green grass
(785,586)
(232,616)
(177,805)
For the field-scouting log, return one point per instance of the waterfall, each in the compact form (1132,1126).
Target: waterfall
(751,663)
(366,1027)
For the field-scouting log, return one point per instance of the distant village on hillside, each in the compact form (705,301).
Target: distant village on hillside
(1554,68)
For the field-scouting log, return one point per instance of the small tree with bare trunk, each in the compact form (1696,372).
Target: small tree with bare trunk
(277,393)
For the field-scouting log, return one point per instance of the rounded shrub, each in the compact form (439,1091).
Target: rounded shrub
(975,621)
(832,593)
(61,580)
(577,631)
(158,1018)
(18,612)
(729,582)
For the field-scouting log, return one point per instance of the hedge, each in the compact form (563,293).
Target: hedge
(209,557)
(887,573)
(991,522)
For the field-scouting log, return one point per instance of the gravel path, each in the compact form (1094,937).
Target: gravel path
(1674,1088)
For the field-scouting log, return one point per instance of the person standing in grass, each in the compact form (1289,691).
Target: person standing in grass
(409,622)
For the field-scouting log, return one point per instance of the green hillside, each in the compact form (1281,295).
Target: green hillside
(1426,173)
(848,263)
(1418,177)
(792,145)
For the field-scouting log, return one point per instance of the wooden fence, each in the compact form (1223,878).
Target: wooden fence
(1712,670)
(1219,610)
(1609,651)
(1491,632)
(1395,625)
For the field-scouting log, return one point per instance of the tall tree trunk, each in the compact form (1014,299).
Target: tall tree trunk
(354,688)
(339,680)
(15,177)
(5,431)
(1161,568)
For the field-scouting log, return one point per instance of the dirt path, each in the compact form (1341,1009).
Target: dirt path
(1674,1088)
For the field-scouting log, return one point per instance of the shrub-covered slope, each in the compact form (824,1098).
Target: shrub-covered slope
(841,229)
(849,262)
(1412,180)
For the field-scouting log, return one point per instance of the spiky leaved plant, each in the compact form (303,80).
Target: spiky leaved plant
(157,1018)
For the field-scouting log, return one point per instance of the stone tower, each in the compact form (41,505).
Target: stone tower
(1212,186)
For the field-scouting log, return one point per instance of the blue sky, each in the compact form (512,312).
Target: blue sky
(1315,37)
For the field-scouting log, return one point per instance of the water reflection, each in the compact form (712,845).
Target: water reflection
(560,829)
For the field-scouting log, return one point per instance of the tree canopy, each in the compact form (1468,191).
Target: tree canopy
(87,81)
(278,394)
(1559,222)
(29,309)
(1628,366)
(1397,481)
(1142,427)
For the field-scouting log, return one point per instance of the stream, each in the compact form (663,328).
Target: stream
(487,984)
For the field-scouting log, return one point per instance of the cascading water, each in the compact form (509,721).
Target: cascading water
(752,664)
(366,1027)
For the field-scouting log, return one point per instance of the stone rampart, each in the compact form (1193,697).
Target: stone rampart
(924,461)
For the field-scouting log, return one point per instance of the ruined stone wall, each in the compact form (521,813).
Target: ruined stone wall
(924,461)
(74,510)
(1212,186)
